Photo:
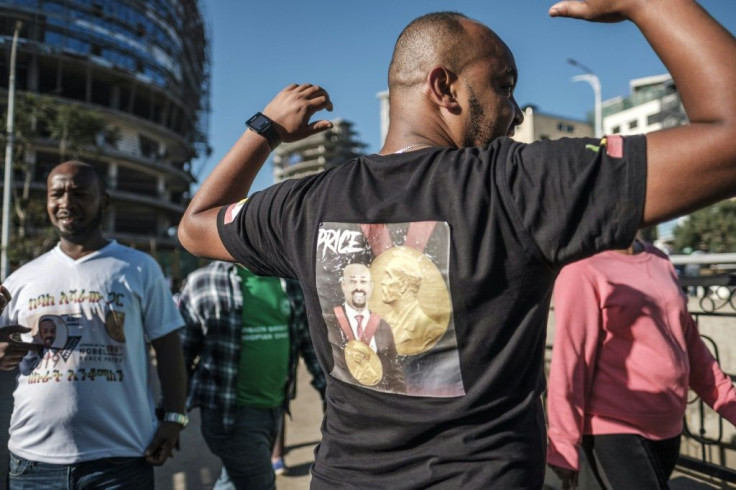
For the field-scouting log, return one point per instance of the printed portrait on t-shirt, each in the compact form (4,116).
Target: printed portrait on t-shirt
(52,334)
(50,331)
(47,331)
(385,298)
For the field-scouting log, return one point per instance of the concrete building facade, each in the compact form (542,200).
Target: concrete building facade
(317,153)
(538,125)
(652,104)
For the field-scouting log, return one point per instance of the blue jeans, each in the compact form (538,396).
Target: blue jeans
(245,448)
(107,473)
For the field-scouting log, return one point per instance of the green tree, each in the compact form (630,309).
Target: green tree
(712,229)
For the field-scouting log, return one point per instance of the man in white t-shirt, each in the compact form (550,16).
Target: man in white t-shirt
(80,318)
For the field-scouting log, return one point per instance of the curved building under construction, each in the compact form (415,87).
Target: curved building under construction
(143,66)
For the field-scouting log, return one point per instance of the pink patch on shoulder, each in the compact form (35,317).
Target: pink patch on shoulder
(615,146)
(233,210)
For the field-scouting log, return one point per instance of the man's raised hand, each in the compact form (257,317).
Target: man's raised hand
(293,107)
(12,349)
(594,10)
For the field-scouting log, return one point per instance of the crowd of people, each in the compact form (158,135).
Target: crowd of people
(426,325)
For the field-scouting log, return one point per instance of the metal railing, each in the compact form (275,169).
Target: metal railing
(710,439)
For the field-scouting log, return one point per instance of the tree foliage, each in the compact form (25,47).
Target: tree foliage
(712,229)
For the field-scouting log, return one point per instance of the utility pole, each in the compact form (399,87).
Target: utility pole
(8,181)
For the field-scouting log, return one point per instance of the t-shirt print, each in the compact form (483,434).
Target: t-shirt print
(75,343)
(385,298)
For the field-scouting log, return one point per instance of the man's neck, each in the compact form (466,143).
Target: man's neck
(355,311)
(403,132)
(78,249)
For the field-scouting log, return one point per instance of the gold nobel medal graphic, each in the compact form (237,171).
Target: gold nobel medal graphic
(413,299)
(115,325)
(363,363)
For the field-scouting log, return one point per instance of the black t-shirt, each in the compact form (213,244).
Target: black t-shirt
(462,247)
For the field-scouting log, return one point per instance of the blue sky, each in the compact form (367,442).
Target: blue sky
(345,45)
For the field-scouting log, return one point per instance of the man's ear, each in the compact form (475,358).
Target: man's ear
(105,201)
(441,83)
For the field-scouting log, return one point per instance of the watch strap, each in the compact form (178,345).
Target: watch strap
(261,124)
(178,418)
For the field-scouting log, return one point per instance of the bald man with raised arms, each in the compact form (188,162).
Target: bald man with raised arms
(489,222)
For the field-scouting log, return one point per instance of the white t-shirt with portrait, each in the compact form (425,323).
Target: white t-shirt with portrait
(87,394)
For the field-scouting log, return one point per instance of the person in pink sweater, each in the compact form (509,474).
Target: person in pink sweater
(625,352)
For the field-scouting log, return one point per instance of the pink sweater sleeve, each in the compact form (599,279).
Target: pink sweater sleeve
(706,377)
(577,328)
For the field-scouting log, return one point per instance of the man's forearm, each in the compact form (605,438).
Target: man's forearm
(229,182)
(699,53)
(289,112)
(171,372)
(701,57)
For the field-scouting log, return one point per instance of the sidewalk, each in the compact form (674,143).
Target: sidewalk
(195,468)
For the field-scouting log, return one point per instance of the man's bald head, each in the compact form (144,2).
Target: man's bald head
(439,38)
(82,169)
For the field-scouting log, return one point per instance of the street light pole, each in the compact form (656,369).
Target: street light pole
(594,82)
(8,181)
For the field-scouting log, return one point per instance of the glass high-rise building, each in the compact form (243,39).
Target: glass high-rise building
(144,67)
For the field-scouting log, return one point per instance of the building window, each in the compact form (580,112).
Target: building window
(616,129)
(634,124)
(655,118)
(565,128)
(149,147)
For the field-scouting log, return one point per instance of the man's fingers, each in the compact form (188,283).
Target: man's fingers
(308,87)
(10,333)
(11,357)
(4,297)
(319,102)
(318,98)
(160,455)
(575,10)
(598,11)
(318,126)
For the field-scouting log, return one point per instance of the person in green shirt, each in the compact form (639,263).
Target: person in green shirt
(242,339)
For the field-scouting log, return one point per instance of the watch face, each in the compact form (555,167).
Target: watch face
(259,123)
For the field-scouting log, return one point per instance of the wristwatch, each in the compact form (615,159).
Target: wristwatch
(264,126)
(179,418)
